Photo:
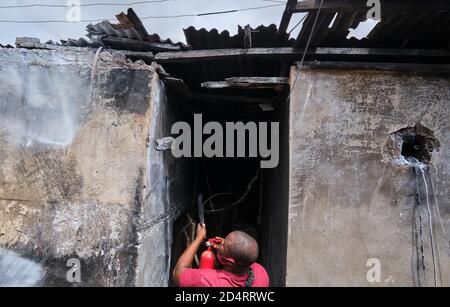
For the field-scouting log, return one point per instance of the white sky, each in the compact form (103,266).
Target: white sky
(167,28)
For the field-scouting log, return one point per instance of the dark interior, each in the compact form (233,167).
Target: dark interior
(414,146)
(235,189)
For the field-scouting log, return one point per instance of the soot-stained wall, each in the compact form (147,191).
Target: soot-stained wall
(275,197)
(74,166)
(167,194)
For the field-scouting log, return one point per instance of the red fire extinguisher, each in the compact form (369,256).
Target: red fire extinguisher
(208,259)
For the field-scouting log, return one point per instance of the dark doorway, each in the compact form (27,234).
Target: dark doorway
(238,194)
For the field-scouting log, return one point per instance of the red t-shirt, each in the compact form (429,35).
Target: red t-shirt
(193,278)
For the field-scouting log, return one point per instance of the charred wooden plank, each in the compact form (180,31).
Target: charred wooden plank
(276,83)
(287,15)
(289,54)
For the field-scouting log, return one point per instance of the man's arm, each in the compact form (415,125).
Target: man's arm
(187,258)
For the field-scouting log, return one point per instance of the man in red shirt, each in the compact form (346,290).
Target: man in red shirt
(237,253)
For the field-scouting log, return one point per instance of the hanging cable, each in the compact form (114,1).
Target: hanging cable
(431,229)
(148,17)
(306,50)
(81,4)
(295,27)
(227,207)
(241,198)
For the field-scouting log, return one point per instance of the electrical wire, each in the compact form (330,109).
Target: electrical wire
(102,4)
(208,184)
(239,201)
(81,5)
(431,229)
(149,17)
(295,27)
(275,1)
(306,50)
(420,251)
(227,207)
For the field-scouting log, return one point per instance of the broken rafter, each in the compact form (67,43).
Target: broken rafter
(406,67)
(179,88)
(131,20)
(211,55)
(275,83)
(287,15)
(353,5)
(309,28)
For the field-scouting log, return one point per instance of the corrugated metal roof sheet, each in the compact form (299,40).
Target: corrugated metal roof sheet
(262,37)
(202,39)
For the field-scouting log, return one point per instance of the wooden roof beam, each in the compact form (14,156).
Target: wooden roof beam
(287,15)
(275,83)
(288,54)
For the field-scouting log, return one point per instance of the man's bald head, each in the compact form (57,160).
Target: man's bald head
(242,248)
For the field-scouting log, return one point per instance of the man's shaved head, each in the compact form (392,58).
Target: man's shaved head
(242,248)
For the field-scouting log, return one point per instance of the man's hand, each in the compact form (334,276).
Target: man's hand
(187,257)
(201,232)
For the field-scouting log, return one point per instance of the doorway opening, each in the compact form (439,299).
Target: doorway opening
(237,193)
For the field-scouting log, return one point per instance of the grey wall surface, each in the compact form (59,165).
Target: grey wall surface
(348,203)
(74,166)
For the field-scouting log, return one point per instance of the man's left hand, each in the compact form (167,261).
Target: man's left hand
(201,232)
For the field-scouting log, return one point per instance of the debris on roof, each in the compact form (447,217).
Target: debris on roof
(129,34)
(81,42)
(35,43)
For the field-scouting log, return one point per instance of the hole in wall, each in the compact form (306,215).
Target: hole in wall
(414,146)
(416,143)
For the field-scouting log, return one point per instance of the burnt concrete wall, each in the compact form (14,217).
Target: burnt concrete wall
(275,197)
(348,201)
(74,166)
(168,192)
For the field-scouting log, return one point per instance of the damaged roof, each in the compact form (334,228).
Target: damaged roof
(128,34)
(261,37)
(403,24)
